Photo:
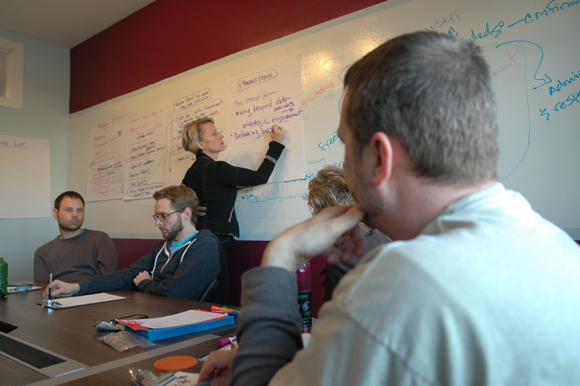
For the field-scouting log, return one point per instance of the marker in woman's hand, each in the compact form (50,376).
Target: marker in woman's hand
(277,133)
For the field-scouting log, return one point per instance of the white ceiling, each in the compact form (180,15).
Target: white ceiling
(65,23)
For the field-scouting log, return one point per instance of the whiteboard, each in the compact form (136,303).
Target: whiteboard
(25,177)
(530,46)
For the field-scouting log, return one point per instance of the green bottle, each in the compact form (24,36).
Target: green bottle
(3,276)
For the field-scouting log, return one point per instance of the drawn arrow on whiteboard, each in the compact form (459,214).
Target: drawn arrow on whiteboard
(546,80)
(326,98)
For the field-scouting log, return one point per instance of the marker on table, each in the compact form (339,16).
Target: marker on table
(216,308)
(226,341)
(234,314)
(230,309)
(50,286)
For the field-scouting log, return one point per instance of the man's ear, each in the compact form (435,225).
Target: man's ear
(382,152)
(187,211)
(55,213)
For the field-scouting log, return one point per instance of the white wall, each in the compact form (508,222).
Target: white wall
(534,65)
(45,116)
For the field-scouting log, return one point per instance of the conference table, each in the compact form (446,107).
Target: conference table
(69,336)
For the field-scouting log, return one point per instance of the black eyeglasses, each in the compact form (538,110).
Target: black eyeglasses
(162,216)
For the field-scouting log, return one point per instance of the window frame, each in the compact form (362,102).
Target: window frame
(14,74)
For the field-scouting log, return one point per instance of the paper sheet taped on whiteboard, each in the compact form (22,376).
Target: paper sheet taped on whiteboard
(77,301)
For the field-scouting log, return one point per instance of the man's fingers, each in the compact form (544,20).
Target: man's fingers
(342,219)
(56,285)
(294,247)
(351,240)
(347,247)
(359,240)
(206,371)
(217,361)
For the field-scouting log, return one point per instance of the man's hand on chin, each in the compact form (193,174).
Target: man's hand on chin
(333,232)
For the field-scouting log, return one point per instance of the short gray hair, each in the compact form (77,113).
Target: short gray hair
(433,94)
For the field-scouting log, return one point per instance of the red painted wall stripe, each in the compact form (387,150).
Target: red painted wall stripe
(169,37)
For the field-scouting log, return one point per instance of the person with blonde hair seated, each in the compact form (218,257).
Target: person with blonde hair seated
(329,189)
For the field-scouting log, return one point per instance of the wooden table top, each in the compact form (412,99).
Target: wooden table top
(70,333)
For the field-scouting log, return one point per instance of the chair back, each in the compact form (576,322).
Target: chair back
(209,290)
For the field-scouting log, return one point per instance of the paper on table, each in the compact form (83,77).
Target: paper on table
(181,319)
(12,289)
(75,301)
(183,379)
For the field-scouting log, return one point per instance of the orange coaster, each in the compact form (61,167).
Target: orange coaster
(175,363)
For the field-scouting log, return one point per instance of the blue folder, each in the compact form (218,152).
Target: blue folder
(155,334)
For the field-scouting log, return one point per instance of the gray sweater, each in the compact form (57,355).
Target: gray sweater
(82,257)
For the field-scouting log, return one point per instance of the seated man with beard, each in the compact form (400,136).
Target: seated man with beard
(76,254)
(182,266)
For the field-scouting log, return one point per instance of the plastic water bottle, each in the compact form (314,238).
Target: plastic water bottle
(3,276)
(305,297)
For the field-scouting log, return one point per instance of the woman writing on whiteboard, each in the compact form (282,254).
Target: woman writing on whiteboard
(216,182)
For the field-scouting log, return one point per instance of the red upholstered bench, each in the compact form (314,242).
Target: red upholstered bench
(131,250)
(245,255)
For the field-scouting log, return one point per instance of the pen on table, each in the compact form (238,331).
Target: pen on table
(226,347)
(226,341)
(50,286)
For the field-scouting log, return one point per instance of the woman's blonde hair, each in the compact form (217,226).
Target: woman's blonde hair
(192,134)
(329,189)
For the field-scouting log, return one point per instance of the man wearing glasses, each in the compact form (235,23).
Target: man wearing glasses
(182,266)
(76,254)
